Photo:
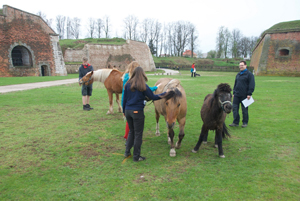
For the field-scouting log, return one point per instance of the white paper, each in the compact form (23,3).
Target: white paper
(247,102)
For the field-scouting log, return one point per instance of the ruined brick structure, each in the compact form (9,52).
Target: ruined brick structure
(28,46)
(278,51)
(102,56)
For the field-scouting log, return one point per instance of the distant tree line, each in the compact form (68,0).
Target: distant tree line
(163,39)
(170,39)
(232,44)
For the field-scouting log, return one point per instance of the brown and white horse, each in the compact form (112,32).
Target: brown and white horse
(172,109)
(112,80)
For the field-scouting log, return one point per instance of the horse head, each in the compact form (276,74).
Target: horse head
(172,106)
(87,79)
(223,95)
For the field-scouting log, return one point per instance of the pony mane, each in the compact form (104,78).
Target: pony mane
(175,93)
(172,84)
(101,74)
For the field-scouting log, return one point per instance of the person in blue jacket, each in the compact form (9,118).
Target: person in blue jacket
(243,88)
(135,92)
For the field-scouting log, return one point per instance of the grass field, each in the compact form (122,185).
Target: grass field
(50,149)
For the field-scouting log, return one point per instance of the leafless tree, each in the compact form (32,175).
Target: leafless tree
(244,46)
(220,40)
(69,24)
(44,17)
(144,27)
(106,26)
(60,26)
(91,27)
(193,38)
(227,40)
(235,42)
(130,24)
(180,36)
(75,27)
(99,27)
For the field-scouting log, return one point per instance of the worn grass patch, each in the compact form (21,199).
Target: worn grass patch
(53,150)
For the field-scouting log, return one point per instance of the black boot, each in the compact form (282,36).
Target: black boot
(88,105)
(85,107)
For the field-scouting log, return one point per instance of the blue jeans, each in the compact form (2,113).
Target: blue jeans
(235,110)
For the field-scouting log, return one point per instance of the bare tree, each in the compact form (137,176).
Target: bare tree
(91,27)
(227,40)
(131,23)
(220,40)
(44,17)
(60,26)
(244,46)
(235,42)
(193,38)
(157,34)
(99,27)
(106,26)
(144,27)
(69,24)
(75,27)
(180,36)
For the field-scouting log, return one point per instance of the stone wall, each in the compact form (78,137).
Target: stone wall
(100,56)
(34,39)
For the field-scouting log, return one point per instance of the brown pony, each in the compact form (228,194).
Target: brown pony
(172,109)
(112,79)
(213,114)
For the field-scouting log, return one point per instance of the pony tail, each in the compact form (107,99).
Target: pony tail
(225,132)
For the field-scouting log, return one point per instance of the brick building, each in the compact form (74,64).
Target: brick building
(188,53)
(28,46)
(278,51)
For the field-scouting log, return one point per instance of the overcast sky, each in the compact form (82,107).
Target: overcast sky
(251,17)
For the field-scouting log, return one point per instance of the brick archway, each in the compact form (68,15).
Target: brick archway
(20,55)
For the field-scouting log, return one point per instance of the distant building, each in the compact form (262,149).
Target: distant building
(278,50)
(188,53)
(28,46)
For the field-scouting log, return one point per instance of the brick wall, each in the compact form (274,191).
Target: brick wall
(19,28)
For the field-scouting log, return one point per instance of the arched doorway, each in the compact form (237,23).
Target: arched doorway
(21,56)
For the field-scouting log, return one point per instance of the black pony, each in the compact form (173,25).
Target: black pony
(213,114)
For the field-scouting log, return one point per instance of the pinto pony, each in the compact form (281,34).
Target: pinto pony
(213,114)
(112,80)
(173,109)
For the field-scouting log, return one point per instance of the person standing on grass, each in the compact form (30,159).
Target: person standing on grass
(135,92)
(243,88)
(193,70)
(86,90)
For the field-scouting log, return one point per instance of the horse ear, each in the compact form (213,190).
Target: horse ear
(215,93)
(92,72)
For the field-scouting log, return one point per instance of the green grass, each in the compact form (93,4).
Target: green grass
(284,26)
(53,150)
(22,80)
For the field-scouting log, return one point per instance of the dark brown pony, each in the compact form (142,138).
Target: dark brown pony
(113,83)
(172,109)
(213,114)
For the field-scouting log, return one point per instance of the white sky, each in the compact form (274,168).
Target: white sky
(251,17)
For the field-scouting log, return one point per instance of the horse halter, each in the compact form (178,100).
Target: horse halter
(88,80)
(223,103)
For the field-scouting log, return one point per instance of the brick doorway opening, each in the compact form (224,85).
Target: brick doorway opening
(44,70)
(21,56)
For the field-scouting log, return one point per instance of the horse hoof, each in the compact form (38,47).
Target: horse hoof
(157,133)
(169,140)
(194,151)
(222,156)
(177,146)
(172,152)
(108,112)
(216,146)
(204,142)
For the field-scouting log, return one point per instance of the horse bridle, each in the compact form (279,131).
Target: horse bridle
(223,103)
(88,80)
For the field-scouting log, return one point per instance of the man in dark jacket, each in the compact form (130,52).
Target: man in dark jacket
(243,88)
(86,90)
